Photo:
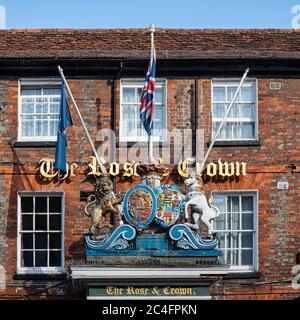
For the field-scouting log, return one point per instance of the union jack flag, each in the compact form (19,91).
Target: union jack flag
(147,100)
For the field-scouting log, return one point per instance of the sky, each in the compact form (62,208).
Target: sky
(141,13)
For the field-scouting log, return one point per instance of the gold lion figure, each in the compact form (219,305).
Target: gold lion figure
(104,202)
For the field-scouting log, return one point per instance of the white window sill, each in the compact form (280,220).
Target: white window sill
(39,139)
(141,143)
(40,271)
(221,143)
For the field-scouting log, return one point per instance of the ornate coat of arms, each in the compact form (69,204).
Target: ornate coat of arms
(154,220)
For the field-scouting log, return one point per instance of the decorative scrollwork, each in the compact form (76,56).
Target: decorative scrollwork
(186,239)
(118,240)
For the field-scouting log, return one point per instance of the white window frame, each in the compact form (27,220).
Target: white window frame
(223,82)
(39,270)
(40,82)
(165,120)
(254,194)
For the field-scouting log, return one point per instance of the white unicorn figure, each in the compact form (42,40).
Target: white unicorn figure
(201,208)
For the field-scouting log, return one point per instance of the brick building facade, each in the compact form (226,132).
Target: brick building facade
(99,64)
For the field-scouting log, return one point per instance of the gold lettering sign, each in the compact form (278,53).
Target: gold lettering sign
(183,167)
(47,170)
(114,169)
(149,291)
(222,169)
(211,169)
(94,167)
(130,169)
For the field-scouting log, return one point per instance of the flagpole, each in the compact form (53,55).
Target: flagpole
(102,167)
(223,120)
(150,138)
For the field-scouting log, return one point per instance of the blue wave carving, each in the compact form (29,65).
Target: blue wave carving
(118,240)
(186,239)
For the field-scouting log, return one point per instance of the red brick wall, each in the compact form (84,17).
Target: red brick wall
(278,211)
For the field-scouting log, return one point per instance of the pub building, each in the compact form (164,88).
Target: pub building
(130,233)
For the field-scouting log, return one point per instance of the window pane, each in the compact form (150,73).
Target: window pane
(41,240)
(230,94)
(226,131)
(233,221)
(41,105)
(27,241)
(247,239)
(55,258)
(248,130)
(247,203)
(219,94)
(247,93)
(41,126)
(129,121)
(41,259)
(247,257)
(27,128)
(222,241)
(55,100)
(27,259)
(27,204)
(233,257)
(128,95)
(233,240)
(27,105)
(158,121)
(220,202)
(237,130)
(158,115)
(54,107)
(222,259)
(233,204)
(31,92)
(247,110)
(129,112)
(218,110)
(234,111)
(55,241)
(41,204)
(247,221)
(27,222)
(41,222)
(159,95)
(234,130)
(52,91)
(220,222)
(55,222)
(215,129)
(53,126)
(55,204)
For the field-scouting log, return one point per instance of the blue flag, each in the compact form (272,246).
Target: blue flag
(65,120)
